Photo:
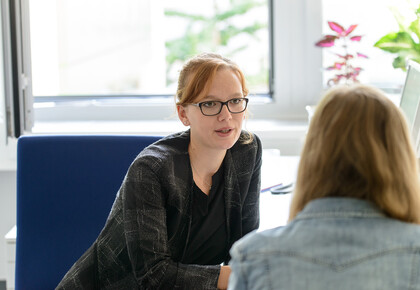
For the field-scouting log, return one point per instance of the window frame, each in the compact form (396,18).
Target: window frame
(295,77)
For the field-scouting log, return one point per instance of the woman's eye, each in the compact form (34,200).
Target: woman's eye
(209,104)
(235,101)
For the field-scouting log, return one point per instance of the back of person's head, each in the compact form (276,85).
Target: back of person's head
(197,74)
(359,146)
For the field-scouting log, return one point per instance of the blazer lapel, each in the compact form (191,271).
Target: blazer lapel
(232,200)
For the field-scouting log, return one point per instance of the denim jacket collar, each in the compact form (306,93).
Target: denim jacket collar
(334,207)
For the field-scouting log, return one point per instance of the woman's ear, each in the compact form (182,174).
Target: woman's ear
(182,115)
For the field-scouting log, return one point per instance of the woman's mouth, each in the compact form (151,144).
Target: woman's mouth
(224,132)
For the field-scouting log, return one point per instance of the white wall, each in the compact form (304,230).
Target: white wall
(7,213)
(7,190)
(7,176)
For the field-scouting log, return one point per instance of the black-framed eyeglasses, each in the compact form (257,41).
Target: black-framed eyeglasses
(212,108)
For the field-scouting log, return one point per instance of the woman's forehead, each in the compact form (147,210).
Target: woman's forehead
(222,97)
(210,89)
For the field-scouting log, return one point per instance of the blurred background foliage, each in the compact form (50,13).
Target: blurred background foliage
(405,43)
(218,32)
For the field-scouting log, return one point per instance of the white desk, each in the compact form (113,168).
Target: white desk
(274,209)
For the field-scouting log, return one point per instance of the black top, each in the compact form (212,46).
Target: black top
(208,240)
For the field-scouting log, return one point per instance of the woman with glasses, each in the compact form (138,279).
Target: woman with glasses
(355,213)
(186,198)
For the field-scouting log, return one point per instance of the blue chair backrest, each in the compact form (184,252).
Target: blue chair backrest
(66,185)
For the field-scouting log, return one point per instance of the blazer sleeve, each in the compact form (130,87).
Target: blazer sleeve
(251,207)
(144,215)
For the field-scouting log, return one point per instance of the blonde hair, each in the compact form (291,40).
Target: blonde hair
(358,145)
(197,75)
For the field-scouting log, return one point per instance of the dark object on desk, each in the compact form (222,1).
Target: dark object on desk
(282,189)
(65,189)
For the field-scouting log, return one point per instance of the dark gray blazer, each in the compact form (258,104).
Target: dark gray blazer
(146,233)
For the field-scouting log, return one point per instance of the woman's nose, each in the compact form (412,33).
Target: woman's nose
(224,113)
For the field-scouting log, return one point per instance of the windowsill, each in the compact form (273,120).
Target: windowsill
(149,127)
(122,100)
(287,136)
(51,110)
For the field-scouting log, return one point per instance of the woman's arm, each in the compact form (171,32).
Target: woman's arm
(222,283)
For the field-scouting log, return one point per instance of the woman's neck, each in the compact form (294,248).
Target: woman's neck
(204,164)
(206,161)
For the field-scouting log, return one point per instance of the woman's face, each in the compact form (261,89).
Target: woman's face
(219,132)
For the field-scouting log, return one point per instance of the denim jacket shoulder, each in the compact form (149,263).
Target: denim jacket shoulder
(334,243)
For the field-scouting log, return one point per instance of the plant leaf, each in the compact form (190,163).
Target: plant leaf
(330,68)
(356,38)
(170,12)
(415,27)
(395,42)
(326,41)
(399,62)
(350,29)
(362,55)
(339,65)
(336,27)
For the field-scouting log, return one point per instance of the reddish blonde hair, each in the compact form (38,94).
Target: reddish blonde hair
(197,75)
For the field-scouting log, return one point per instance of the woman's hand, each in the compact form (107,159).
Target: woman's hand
(222,283)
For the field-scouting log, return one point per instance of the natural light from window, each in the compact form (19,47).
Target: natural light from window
(131,47)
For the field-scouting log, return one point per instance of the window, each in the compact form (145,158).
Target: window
(3,100)
(374,19)
(131,47)
(76,73)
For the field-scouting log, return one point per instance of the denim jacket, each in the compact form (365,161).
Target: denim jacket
(334,243)
(145,236)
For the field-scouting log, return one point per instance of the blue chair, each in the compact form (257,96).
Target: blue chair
(65,189)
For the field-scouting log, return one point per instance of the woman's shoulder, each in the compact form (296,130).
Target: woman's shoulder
(176,143)
(248,140)
(165,149)
(249,145)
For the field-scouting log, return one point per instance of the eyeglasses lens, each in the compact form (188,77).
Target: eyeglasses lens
(234,106)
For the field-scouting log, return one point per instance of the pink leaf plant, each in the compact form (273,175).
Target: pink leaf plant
(344,69)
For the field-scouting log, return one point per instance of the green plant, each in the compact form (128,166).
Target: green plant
(404,43)
(345,70)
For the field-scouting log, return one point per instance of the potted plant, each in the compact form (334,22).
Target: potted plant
(345,69)
(403,43)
